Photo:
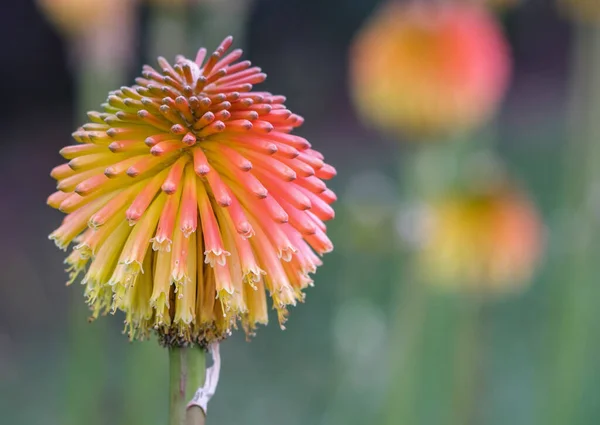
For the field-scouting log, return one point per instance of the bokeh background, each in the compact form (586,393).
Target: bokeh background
(380,338)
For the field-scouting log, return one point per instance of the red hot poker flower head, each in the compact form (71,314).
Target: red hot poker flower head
(188,198)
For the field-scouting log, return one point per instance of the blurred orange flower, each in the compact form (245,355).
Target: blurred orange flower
(188,198)
(429,69)
(74,17)
(485,241)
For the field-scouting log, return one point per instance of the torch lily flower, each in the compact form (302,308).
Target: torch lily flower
(187,198)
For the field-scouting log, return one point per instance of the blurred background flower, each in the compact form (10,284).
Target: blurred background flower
(429,69)
(486,240)
(76,17)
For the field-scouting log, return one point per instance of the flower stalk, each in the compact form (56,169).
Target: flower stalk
(186,374)
(573,294)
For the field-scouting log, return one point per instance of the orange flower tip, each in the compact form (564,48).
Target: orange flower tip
(252,115)
(205,101)
(201,82)
(133,267)
(150,141)
(121,115)
(209,117)
(202,170)
(215,127)
(245,87)
(225,200)
(225,44)
(181,101)
(264,126)
(133,215)
(246,103)
(286,253)
(245,165)
(179,279)
(281,114)
(224,296)
(282,217)
(166,90)
(147,102)
(169,188)
(111,172)
(56,199)
(157,150)
(328,196)
(255,274)
(217,75)
(303,203)
(94,116)
(290,175)
(69,151)
(187,90)
(245,229)
(178,129)
(83,189)
(307,280)
(161,243)
(187,229)
(57,241)
(133,172)
(112,132)
(326,172)
(271,149)
(261,193)
(65,206)
(216,256)
(189,139)
(77,135)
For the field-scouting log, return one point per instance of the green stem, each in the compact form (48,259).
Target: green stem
(469,370)
(406,341)
(186,374)
(575,291)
